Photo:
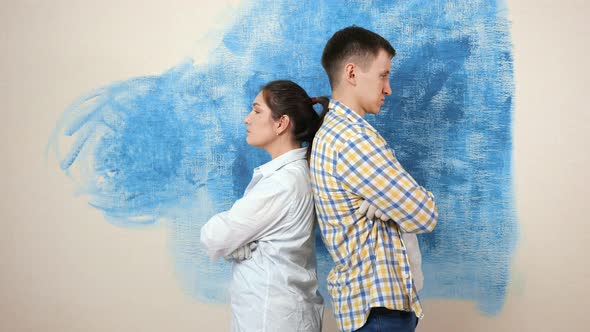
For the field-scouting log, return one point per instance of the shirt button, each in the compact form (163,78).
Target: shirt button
(406,276)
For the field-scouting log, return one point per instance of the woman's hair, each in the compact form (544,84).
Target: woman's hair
(288,98)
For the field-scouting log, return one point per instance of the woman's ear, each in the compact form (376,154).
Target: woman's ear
(283,124)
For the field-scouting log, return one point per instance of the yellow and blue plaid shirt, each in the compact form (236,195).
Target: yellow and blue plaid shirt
(350,162)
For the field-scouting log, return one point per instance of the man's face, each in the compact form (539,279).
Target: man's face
(373,83)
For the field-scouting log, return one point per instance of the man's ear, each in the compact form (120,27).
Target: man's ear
(350,70)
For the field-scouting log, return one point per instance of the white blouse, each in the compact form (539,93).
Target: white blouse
(277,289)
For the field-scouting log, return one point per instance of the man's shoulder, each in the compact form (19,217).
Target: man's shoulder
(338,129)
(352,134)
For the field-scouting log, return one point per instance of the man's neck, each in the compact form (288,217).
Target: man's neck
(350,102)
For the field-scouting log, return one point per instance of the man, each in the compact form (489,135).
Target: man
(371,284)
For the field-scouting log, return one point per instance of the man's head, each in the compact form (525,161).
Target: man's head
(358,64)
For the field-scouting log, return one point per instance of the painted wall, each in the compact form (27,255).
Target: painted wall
(65,268)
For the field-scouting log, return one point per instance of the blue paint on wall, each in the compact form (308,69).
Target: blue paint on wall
(171,148)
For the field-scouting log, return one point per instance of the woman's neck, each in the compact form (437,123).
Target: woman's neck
(281,147)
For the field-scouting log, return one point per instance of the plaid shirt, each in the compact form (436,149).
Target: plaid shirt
(350,162)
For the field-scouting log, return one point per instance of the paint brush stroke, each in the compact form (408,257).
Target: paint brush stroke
(172,147)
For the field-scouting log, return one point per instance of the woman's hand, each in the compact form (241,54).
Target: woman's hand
(242,253)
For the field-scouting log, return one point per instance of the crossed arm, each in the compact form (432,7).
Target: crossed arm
(250,218)
(367,167)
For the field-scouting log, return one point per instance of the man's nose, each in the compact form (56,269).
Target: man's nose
(387,89)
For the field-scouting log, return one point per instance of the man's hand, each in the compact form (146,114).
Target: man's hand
(242,253)
(410,241)
(371,211)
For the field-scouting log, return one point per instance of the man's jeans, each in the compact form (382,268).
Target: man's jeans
(385,320)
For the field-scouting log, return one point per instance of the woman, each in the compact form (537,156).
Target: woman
(276,289)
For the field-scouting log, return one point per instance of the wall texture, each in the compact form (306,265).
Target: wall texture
(496,131)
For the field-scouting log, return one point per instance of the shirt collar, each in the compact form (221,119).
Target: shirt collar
(342,110)
(280,161)
(345,111)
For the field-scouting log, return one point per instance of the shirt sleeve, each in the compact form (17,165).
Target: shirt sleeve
(368,167)
(249,219)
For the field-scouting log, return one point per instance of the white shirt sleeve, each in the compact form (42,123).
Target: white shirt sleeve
(249,219)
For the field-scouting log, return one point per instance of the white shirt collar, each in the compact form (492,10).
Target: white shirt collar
(280,161)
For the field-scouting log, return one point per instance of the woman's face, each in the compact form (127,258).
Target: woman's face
(261,129)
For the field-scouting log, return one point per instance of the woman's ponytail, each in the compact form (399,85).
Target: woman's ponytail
(325,102)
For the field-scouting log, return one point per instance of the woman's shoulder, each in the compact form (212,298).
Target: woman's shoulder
(293,176)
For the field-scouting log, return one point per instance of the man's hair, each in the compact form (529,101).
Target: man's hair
(352,43)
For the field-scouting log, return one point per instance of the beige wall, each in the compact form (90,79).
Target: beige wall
(54,246)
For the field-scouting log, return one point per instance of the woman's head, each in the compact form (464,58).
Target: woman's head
(282,117)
